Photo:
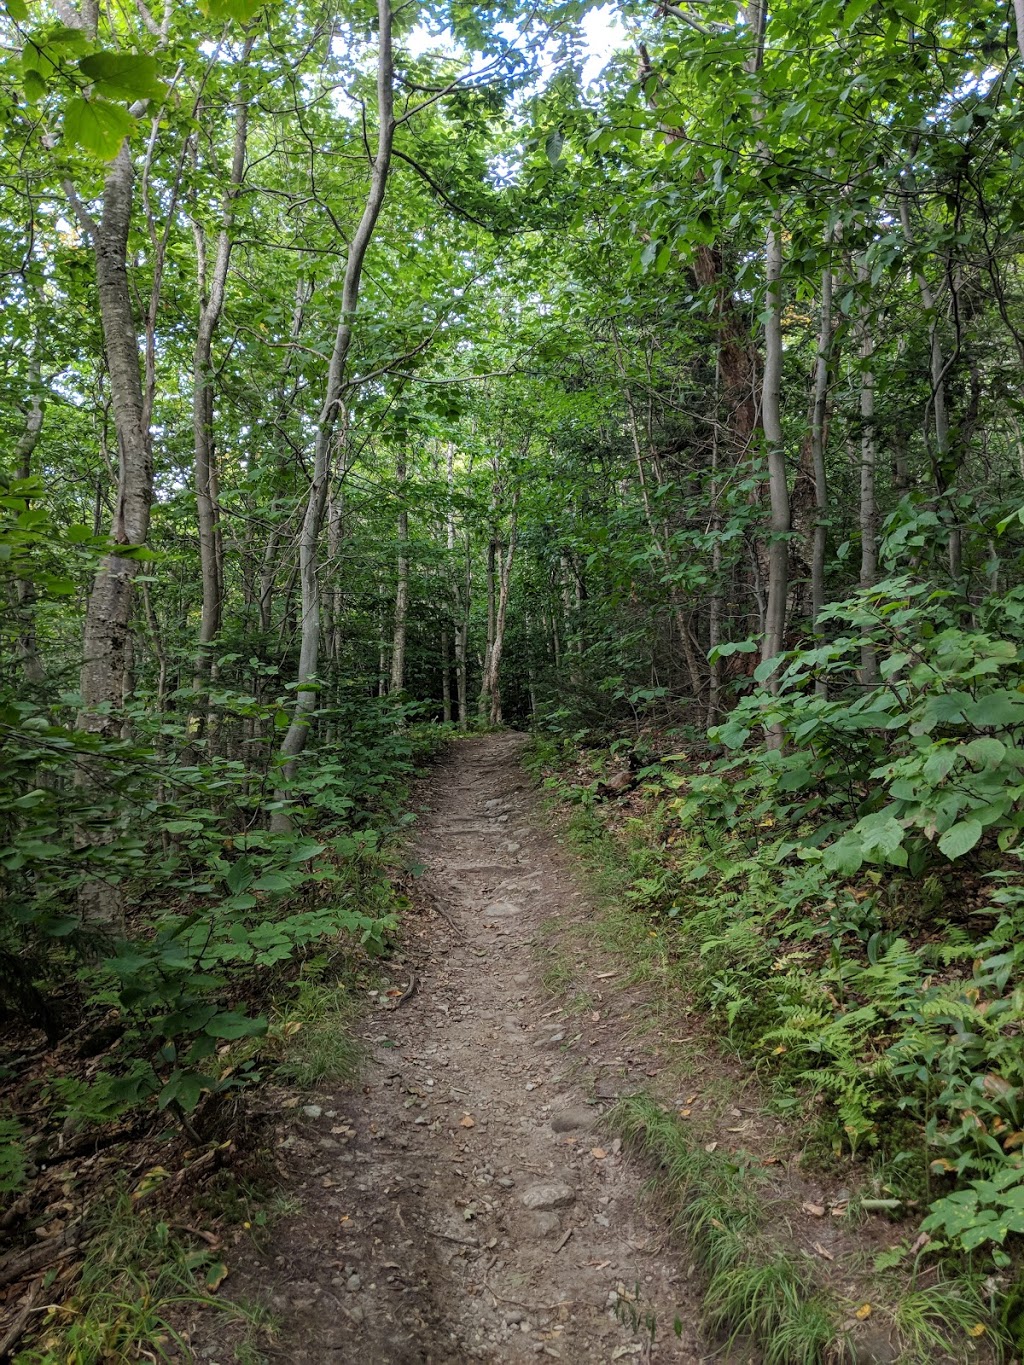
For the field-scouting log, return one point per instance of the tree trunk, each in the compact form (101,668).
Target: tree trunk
(484,700)
(309,649)
(778,486)
(401,587)
(868,509)
(819,438)
(105,636)
(211,305)
(942,460)
(498,642)
(28,651)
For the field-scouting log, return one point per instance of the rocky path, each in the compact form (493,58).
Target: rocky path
(469,1204)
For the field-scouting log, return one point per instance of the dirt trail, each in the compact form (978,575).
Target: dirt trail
(469,1205)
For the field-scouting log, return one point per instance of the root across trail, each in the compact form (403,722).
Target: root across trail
(469,1203)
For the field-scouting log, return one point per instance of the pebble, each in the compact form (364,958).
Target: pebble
(501,908)
(568,1120)
(539,1225)
(353,1283)
(553,1194)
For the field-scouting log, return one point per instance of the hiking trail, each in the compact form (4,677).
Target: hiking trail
(469,1203)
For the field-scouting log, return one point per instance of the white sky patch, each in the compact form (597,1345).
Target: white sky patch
(603,34)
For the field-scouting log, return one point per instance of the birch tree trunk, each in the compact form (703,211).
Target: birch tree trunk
(211,305)
(105,636)
(309,535)
(498,643)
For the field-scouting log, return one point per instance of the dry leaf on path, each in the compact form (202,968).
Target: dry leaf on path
(598,1153)
(823,1251)
(864,1311)
(815,1210)
(467,1122)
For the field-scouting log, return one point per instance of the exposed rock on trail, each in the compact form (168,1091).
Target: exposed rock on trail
(467,1205)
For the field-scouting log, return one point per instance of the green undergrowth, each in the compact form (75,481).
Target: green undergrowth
(139,1285)
(765,1295)
(242,960)
(886,1034)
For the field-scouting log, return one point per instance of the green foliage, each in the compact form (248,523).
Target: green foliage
(12,1156)
(925,763)
(137,1282)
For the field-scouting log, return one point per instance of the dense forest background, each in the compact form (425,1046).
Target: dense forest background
(369,369)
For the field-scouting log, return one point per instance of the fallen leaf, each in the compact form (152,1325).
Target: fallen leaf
(603,976)
(685,1113)
(864,1311)
(823,1251)
(598,1153)
(815,1210)
(467,1122)
(710,1146)
(216,1275)
(978,1330)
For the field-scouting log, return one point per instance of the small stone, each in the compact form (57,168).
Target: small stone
(514,1315)
(357,1315)
(312,1111)
(569,1120)
(353,1283)
(553,1194)
(539,1225)
(506,1182)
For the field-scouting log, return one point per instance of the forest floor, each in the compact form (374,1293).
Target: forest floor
(469,1202)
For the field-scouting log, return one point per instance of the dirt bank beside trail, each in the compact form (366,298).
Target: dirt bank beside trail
(468,1204)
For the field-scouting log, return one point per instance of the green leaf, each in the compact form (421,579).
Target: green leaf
(185,1087)
(17,9)
(97,126)
(985,751)
(553,146)
(231,1025)
(272,881)
(997,709)
(239,876)
(33,85)
(123,74)
(938,764)
(961,838)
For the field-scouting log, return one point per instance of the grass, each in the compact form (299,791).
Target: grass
(318,1043)
(137,1285)
(765,1295)
(769,1297)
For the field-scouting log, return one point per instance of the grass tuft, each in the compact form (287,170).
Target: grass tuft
(320,1048)
(137,1286)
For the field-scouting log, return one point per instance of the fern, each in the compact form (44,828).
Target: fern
(12,1156)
